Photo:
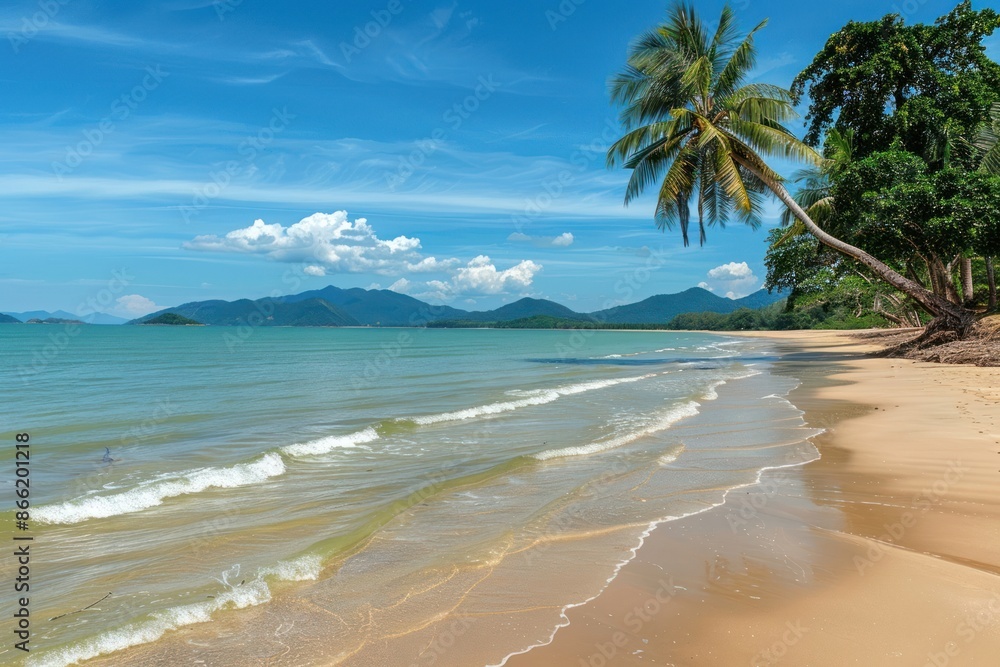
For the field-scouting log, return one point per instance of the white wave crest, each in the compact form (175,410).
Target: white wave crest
(538,397)
(673,416)
(330,443)
(153,493)
(158,624)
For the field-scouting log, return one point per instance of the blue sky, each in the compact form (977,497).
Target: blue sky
(464,140)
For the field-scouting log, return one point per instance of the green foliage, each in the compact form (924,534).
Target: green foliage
(988,142)
(889,203)
(791,262)
(917,84)
(546,322)
(828,291)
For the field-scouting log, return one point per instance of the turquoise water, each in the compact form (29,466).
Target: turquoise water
(353,464)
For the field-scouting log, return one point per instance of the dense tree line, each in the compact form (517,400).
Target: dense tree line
(897,214)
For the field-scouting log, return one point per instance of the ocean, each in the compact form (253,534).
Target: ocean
(297,496)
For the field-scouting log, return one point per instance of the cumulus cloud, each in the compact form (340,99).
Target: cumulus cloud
(480,277)
(735,280)
(326,241)
(135,305)
(731,271)
(562,241)
(432,264)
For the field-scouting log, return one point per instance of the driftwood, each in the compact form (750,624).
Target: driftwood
(70,613)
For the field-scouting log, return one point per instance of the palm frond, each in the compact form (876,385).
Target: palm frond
(740,63)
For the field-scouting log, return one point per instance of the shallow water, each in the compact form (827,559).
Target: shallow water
(393,479)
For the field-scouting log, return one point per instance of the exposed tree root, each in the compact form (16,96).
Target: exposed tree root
(977,343)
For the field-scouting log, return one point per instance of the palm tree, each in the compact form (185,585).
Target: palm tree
(988,142)
(696,127)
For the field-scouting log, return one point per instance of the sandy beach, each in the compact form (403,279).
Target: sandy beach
(885,551)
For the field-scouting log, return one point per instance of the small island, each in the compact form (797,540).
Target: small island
(53,320)
(173,319)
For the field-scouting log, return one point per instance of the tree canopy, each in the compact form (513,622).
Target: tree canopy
(917,84)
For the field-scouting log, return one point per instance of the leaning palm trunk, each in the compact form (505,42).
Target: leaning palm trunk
(953,315)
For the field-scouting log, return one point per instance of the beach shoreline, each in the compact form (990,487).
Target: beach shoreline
(883,550)
(886,550)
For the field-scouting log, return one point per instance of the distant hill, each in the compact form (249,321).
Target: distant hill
(7,319)
(53,320)
(172,319)
(379,307)
(332,306)
(93,318)
(262,312)
(524,309)
(662,308)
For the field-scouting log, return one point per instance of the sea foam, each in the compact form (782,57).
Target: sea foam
(157,624)
(538,397)
(330,443)
(667,420)
(153,493)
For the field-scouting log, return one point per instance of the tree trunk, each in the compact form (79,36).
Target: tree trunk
(992,280)
(948,278)
(968,289)
(953,315)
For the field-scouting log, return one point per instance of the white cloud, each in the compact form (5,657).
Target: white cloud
(480,277)
(327,241)
(314,270)
(562,241)
(735,280)
(135,305)
(432,264)
(731,271)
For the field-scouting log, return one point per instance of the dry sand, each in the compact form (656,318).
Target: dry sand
(885,551)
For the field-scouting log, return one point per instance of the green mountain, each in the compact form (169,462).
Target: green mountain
(379,307)
(662,308)
(332,306)
(523,309)
(262,312)
(7,319)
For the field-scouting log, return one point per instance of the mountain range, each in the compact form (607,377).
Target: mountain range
(94,318)
(333,306)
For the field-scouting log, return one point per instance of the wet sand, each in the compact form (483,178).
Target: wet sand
(885,551)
